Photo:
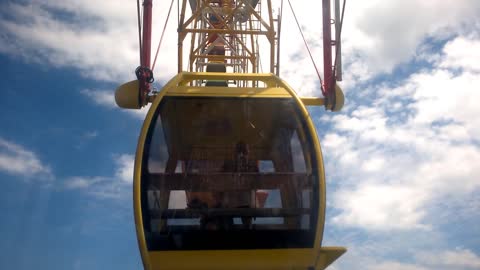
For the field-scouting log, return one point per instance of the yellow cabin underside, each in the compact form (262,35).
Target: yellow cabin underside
(247,259)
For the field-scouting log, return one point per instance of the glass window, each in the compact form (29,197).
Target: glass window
(228,173)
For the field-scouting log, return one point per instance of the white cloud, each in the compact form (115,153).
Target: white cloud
(125,165)
(377,36)
(373,164)
(380,207)
(402,251)
(406,146)
(462,52)
(101,97)
(396,266)
(78,182)
(90,134)
(106,98)
(105,48)
(117,186)
(380,33)
(17,160)
(38,33)
(450,259)
(415,144)
(456,259)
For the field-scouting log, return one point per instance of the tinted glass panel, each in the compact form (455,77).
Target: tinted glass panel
(228,173)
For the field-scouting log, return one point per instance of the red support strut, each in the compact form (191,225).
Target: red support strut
(147,32)
(328,87)
(144,73)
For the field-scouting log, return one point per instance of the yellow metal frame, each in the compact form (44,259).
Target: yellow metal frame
(318,256)
(189,26)
(275,87)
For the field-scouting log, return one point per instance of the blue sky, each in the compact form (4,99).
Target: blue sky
(401,158)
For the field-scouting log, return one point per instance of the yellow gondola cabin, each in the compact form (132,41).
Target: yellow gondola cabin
(228,170)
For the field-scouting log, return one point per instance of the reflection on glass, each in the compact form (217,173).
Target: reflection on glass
(236,170)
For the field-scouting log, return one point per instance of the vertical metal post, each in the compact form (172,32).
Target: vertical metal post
(328,79)
(253,60)
(279,27)
(145,74)
(271,37)
(181,36)
(147,32)
(338,43)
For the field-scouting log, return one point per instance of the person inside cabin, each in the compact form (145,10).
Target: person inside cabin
(240,199)
(240,162)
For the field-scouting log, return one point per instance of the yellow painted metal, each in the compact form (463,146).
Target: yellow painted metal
(275,86)
(339,98)
(221,57)
(229,91)
(235,259)
(318,256)
(268,78)
(137,172)
(271,86)
(313,101)
(328,255)
(127,95)
(318,154)
(232,30)
(226,31)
